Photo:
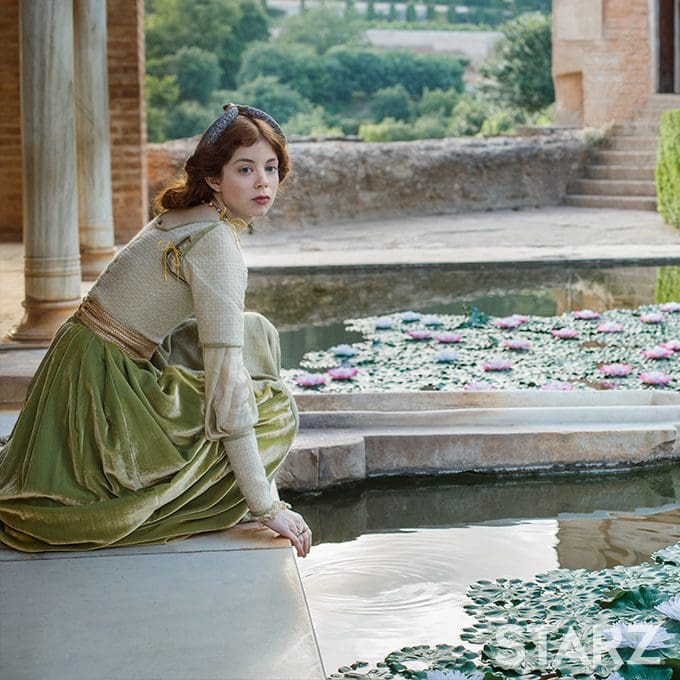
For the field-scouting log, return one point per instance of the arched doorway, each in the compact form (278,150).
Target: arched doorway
(669,46)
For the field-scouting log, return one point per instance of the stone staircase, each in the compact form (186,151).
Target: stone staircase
(621,175)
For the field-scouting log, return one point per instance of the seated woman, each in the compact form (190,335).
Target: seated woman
(158,410)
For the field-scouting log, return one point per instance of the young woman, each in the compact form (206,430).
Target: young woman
(158,410)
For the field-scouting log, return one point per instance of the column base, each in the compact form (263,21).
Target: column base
(40,322)
(93,261)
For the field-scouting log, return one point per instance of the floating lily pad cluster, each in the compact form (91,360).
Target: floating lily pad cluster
(617,349)
(618,624)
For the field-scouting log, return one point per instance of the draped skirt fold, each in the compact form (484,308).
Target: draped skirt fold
(110,450)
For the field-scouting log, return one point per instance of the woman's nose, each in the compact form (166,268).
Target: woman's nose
(261,179)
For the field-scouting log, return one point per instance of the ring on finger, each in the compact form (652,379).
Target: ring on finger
(299,532)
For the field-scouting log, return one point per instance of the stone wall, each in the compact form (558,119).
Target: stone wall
(602,59)
(338,181)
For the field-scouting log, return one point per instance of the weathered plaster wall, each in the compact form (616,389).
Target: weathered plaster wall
(602,59)
(339,181)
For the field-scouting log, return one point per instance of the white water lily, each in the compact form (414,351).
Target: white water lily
(670,608)
(454,675)
(640,636)
(615,676)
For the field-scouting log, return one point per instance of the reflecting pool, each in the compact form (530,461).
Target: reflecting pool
(308,309)
(393,558)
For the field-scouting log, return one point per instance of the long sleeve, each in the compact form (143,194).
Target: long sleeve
(215,270)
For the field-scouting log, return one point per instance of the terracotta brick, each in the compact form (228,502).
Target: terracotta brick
(612,70)
(10,115)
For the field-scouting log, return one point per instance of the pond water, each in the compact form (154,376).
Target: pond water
(309,309)
(393,558)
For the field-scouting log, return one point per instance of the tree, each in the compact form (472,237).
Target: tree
(393,102)
(392,16)
(222,27)
(518,72)
(196,72)
(411,11)
(321,28)
(267,93)
(370,10)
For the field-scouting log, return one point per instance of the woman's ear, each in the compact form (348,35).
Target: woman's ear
(212,183)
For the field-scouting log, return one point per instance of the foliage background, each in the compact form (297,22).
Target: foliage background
(317,74)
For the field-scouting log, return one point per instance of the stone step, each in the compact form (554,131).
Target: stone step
(612,187)
(647,143)
(634,158)
(416,450)
(611,202)
(455,399)
(661,102)
(623,172)
(638,128)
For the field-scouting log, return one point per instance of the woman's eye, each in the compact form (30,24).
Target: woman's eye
(272,168)
(245,170)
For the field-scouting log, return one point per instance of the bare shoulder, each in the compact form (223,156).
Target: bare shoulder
(180,216)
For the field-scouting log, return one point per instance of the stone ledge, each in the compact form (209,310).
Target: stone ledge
(409,433)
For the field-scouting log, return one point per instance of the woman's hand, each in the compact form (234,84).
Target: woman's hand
(291,525)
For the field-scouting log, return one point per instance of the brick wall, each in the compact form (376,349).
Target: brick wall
(127,115)
(10,123)
(603,47)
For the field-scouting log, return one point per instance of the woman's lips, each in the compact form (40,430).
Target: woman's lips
(262,199)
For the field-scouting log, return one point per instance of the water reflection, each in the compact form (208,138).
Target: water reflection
(309,308)
(393,558)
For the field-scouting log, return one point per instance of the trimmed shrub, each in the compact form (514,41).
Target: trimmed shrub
(668,168)
(667,285)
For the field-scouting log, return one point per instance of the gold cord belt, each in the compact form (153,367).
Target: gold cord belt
(93,316)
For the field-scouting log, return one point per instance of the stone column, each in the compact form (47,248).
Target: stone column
(95,206)
(50,208)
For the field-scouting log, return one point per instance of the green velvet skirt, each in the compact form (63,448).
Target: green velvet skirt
(110,451)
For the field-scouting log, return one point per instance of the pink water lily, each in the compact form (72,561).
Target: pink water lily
(419,335)
(658,352)
(448,337)
(670,307)
(480,386)
(655,378)
(518,344)
(310,380)
(565,333)
(616,370)
(557,386)
(586,314)
(673,345)
(511,321)
(343,372)
(497,364)
(652,317)
(610,327)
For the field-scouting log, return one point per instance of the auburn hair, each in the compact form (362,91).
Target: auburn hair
(208,160)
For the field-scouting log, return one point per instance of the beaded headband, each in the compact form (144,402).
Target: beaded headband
(231,111)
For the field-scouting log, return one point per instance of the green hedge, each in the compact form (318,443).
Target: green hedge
(667,285)
(668,168)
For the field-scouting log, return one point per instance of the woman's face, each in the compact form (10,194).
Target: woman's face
(249,181)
